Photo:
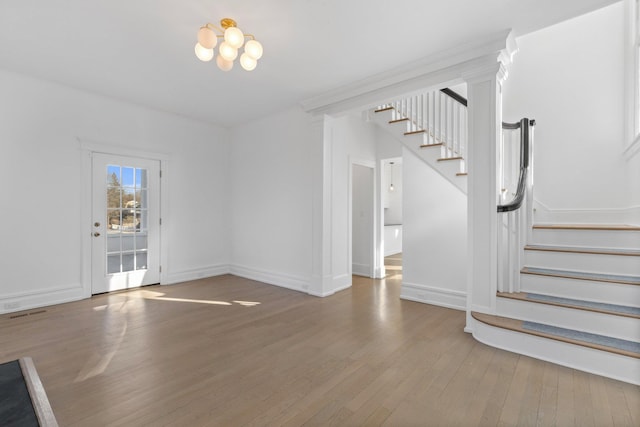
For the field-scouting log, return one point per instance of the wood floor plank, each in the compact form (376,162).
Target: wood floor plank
(233,351)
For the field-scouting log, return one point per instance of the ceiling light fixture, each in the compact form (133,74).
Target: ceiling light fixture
(391,188)
(234,39)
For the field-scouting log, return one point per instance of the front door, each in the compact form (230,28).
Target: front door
(125,222)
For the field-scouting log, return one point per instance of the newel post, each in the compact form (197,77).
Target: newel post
(484,90)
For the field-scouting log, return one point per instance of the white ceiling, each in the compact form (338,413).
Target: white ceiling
(141,51)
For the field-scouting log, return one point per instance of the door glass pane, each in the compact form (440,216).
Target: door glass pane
(141,241)
(127,177)
(127,262)
(128,243)
(113,243)
(141,260)
(113,264)
(126,218)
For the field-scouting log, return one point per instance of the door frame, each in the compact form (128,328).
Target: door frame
(87,148)
(374,256)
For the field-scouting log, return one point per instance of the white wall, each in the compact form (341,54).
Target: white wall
(362,219)
(392,239)
(569,77)
(271,199)
(434,255)
(40,167)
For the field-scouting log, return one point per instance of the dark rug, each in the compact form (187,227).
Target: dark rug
(16,408)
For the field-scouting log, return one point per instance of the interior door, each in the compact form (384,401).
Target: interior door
(125,222)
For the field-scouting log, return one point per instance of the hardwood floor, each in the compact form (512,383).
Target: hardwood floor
(232,352)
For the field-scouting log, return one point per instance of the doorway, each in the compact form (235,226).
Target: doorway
(392,218)
(125,218)
(363,252)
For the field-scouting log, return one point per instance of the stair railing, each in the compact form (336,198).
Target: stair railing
(439,116)
(515,208)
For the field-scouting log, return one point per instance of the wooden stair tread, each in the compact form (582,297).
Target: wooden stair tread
(583,250)
(580,275)
(444,159)
(380,110)
(614,227)
(612,309)
(414,132)
(519,326)
(398,120)
(462,174)
(439,144)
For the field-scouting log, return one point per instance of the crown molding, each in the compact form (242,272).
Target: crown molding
(453,65)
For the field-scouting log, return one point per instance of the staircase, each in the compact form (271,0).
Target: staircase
(568,294)
(578,303)
(433,126)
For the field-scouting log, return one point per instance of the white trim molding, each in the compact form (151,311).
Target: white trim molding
(172,278)
(543,214)
(296,283)
(443,68)
(41,298)
(434,295)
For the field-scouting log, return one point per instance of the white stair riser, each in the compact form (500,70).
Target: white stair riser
(621,327)
(429,155)
(587,238)
(400,127)
(593,263)
(449,167)
(606,292)
(586,359)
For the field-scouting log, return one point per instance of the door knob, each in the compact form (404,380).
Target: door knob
(97,224)
(96,234)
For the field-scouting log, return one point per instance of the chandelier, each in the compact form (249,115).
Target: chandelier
(234,39)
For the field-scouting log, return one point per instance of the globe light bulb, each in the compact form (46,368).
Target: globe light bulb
(207,38)
(234,37)
(228,52)
(247,62)
(223,64)
(253,48)
(203,53)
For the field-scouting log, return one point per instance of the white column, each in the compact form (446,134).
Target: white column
(321,159)
(484,127)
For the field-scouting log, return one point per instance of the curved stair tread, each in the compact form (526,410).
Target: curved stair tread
(582,275)
(598,342)
(614,227)
(583,250)
(598,307)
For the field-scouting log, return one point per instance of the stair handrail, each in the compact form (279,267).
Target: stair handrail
(455,95)
(524,125)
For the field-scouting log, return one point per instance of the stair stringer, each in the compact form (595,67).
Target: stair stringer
(430,155)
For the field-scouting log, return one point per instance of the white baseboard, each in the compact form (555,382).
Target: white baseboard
(361,269)
(546,215)
(195,274)
(288,281)
(434,295)
(40,298)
